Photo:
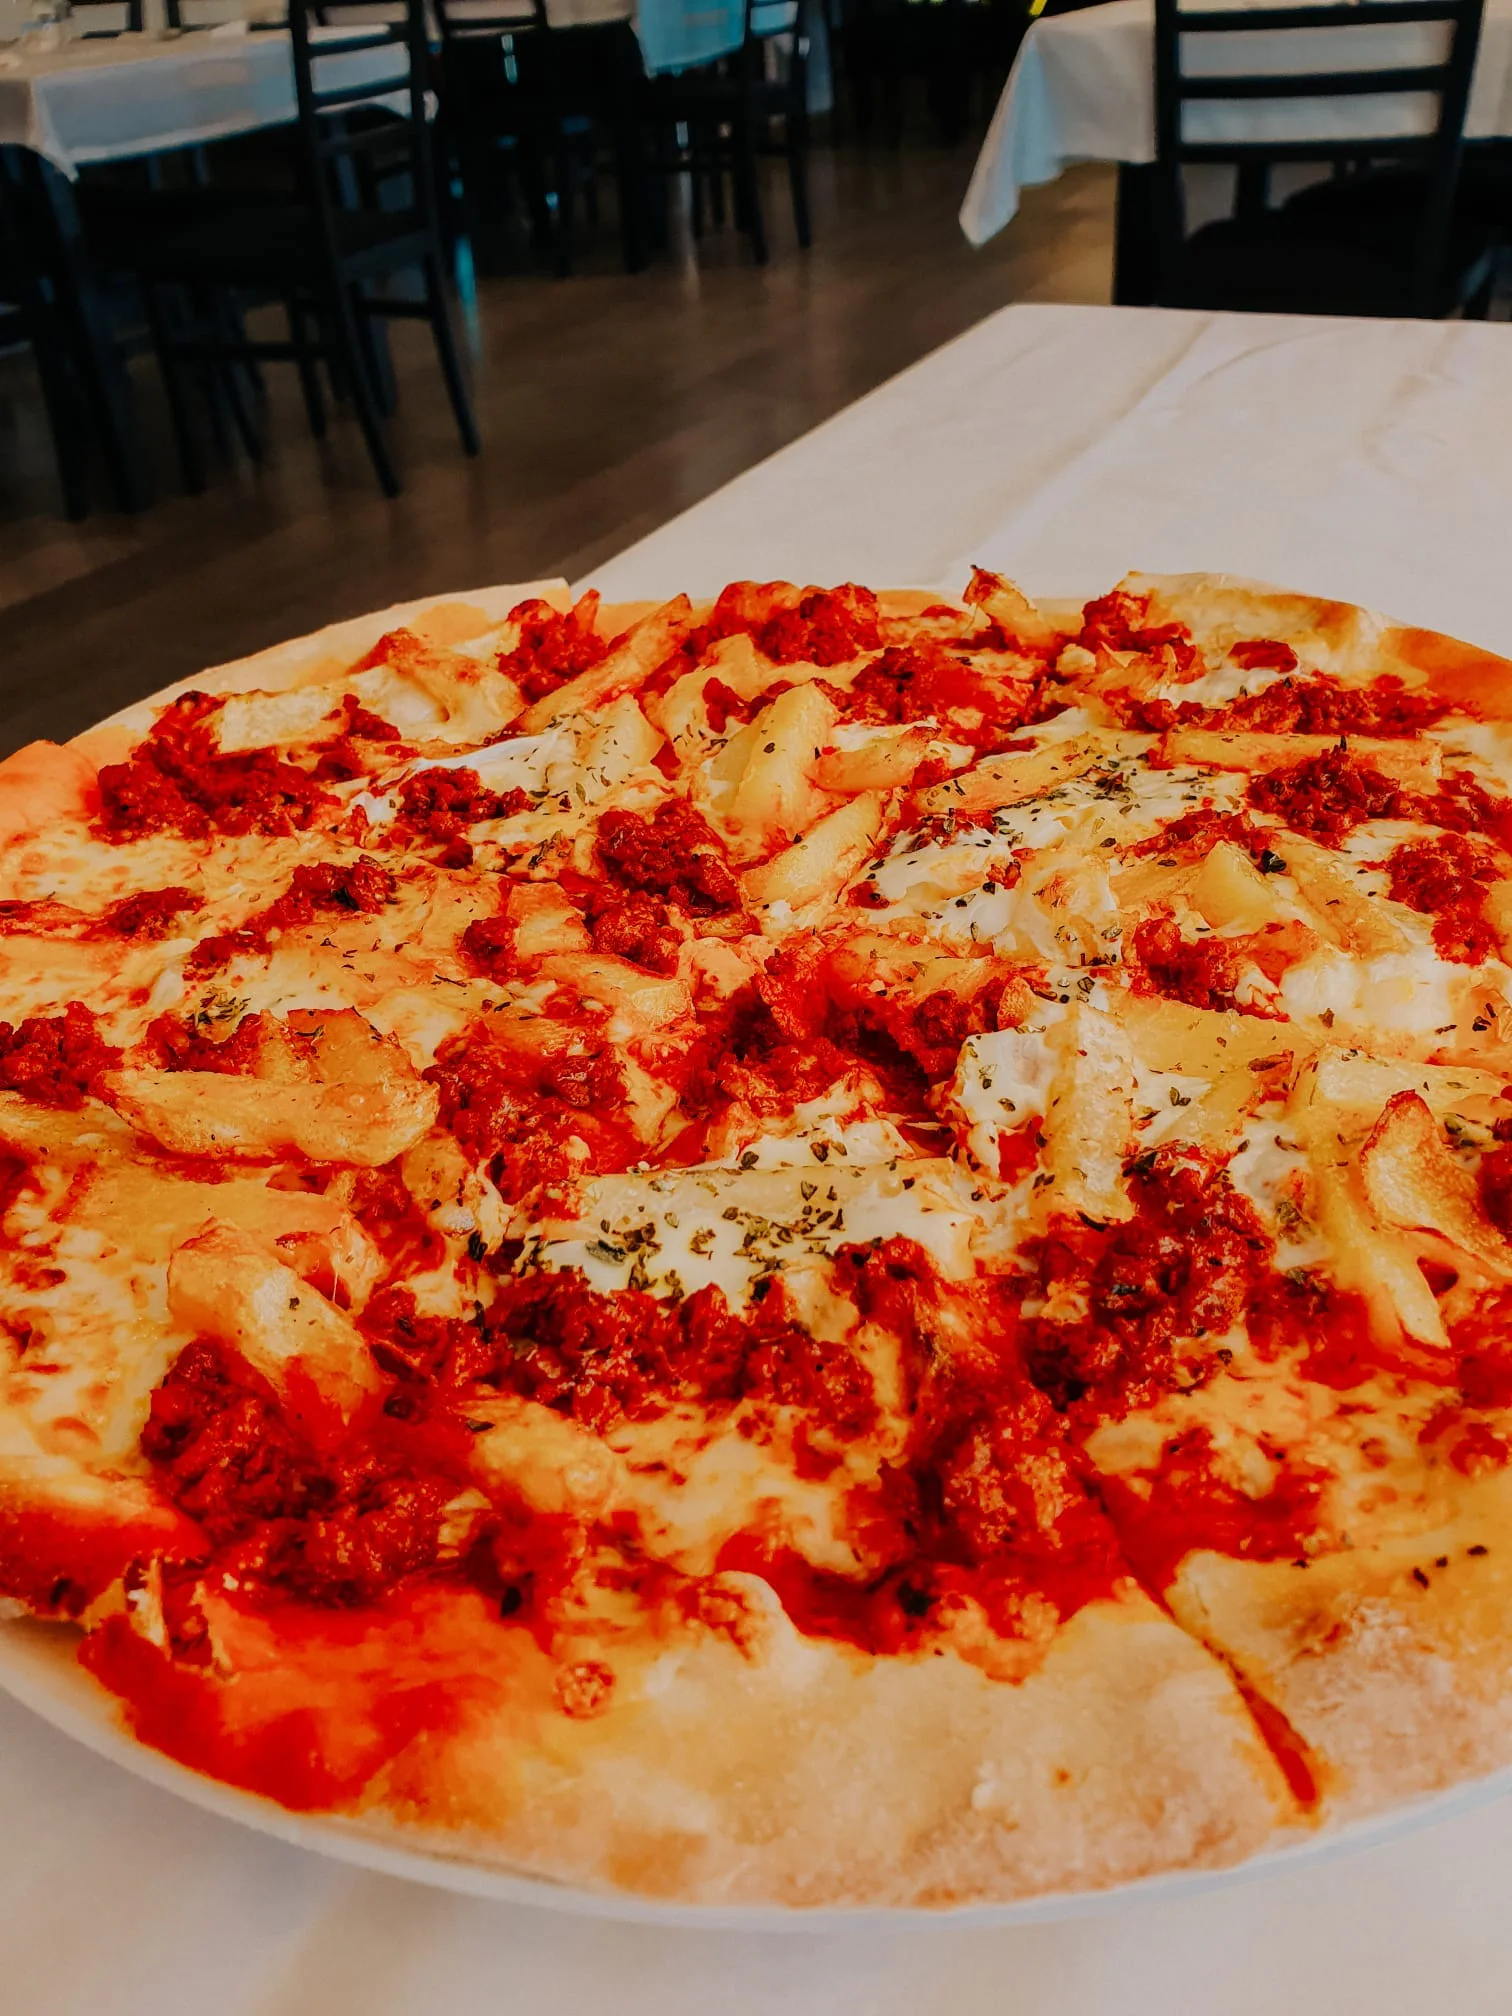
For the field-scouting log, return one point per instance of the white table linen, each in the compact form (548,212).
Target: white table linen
(1366,460)
(129,95)
(1082,89)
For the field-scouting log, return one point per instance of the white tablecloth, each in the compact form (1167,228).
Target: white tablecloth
(1082,89)
(1064,444)
(127,95)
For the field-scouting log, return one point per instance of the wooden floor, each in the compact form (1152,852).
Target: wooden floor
(608,402)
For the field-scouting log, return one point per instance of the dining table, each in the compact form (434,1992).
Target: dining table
(1061,445)
(1082,88)
(120,97)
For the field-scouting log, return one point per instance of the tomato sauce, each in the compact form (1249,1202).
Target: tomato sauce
(1446,878)
(55,1059)
(1120,622)
(1185,1507)
(59,1557)
(339,756)
(1327,796)
(554,646)
(320,1699)
(334,1525)
(176,781)
(674,853)
(1315,705)
(318,889)
(927,681)
(436,807)
(1186,840)
(543,1118)
(152,914)
(1206,972)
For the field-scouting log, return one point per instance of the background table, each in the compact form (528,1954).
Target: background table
(1368,460)
(125,96)
(1082,89)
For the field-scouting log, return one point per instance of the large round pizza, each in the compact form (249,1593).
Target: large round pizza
(824,1248)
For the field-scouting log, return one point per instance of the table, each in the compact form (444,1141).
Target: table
(125,96)
(1064,444)
(1082,89)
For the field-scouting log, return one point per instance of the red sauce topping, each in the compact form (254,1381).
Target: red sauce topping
(154,913)
(1187,1265)
(604,1358)
(332,1526)
(439,804)
(543,1116)
(828,626)
(1191,838)
(1327,796)
(339,757)
(674,854)
(176,781)
(1445,878)
(320,1699)
(1120,622)
(58,1557)
(555,645)
(1316,705)
(927,681)
(55,1059)
(638,927)
(1263,654)
(335,888)
(1206,972)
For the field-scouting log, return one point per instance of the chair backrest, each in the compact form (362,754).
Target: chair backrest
(1390,82)
(107,17)
(488,20)
(481,44)
(346,64)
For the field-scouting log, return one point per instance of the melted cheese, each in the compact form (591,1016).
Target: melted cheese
(680,1230)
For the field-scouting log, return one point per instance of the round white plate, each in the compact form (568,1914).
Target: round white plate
(38,1667)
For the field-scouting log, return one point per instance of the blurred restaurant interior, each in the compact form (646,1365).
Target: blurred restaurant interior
(412,293)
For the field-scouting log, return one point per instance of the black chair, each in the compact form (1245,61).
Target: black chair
(318,247)
(57,305)
(717,122)
(1419,262)
(530,105)
(94,18)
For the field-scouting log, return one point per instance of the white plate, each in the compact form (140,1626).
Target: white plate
(38,1668)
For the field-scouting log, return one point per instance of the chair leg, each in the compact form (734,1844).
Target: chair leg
(716,183)
(564,204)
(796,139)
(747,193)
(304,359)
(446,351)
(343,326)
(375,353)
(171,366)
(60,401)
(234,385)
(630,191)
(77,316)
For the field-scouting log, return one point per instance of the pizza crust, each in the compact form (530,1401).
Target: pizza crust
(802,1774)
(1392,1661)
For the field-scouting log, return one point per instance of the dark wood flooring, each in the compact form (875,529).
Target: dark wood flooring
(608,403)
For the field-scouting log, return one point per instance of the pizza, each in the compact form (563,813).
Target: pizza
(828,1248)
